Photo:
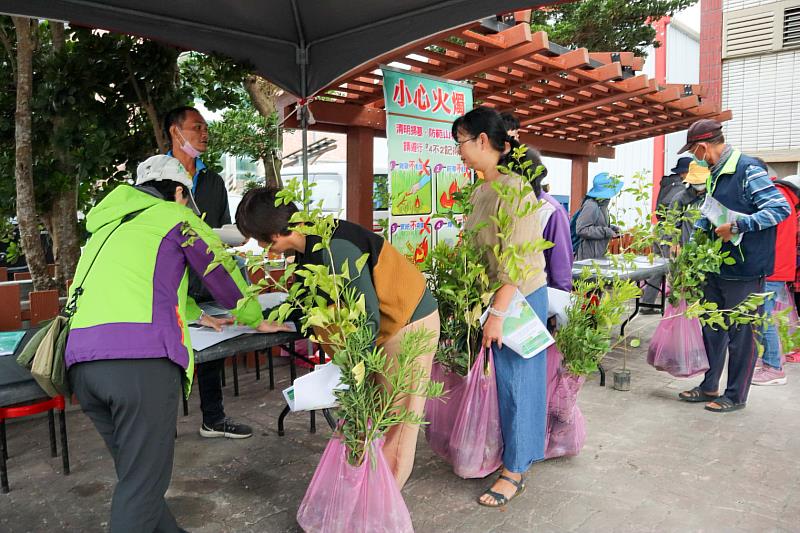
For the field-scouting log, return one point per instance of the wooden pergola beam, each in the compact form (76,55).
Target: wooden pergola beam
(369,66)
(560,148)
(343,115)
(513,43)
(628,88)
(704,111)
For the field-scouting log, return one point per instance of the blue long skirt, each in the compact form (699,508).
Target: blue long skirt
(522,397)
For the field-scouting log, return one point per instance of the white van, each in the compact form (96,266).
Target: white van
(331,188)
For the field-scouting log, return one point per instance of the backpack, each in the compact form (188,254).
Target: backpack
(791,187)
(573,232)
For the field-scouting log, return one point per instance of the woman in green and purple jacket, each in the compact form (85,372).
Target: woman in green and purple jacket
(129,346)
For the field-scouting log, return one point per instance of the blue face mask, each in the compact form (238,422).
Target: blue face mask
(701,162)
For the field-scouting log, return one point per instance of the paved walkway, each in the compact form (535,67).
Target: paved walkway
(651,463)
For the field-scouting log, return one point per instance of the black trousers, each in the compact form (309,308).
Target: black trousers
(738,341)
(133,403)
(209,384)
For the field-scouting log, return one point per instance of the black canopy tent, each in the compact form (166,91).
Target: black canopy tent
(299,45)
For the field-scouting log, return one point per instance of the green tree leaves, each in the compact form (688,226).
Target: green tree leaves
(606,25)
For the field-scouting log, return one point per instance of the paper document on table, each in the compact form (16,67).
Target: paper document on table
(316,389)
(210,308)
(203,338)
(718,214)
(271,299)
(523,332)
(9,341)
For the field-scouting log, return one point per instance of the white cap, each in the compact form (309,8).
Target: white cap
(164,167)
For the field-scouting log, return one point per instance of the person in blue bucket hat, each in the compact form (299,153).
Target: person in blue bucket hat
(593,227)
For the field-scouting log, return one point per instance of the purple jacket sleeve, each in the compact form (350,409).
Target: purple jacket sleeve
(558,258)
(226,287)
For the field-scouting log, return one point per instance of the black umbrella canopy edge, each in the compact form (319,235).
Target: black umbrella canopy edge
(300,45)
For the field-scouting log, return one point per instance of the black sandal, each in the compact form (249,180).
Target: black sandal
(696,395)
(725,405)
(499,499)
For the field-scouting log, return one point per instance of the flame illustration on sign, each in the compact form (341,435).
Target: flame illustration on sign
(446,199)
(422,251)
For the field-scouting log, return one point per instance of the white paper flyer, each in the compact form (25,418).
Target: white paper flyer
(718,214)
(523,332)
(315,390)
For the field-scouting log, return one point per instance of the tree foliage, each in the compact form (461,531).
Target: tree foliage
(244,132)
(606,25)
(98,100)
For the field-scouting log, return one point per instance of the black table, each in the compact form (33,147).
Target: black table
(16,383)
(18,386)
(639,270)
(260,342)
(255,342)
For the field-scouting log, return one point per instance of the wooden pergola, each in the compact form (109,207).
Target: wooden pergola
(571,103)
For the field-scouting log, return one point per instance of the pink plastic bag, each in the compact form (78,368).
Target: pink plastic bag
(677,344)
(343,498)
(476,445)
(440,413)
(554,359)
(562,404)
(566,440)
(566,427)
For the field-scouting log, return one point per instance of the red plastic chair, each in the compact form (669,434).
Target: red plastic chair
(29,410)
(3,274)
(22,276)
(10,308)
(44,306)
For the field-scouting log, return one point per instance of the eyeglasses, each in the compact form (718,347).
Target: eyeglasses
(459,144)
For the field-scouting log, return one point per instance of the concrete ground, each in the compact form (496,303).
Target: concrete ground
(650,463)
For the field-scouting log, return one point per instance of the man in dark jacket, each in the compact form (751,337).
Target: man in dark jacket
(691,197)
(672,185)
(188,134)
(739,183)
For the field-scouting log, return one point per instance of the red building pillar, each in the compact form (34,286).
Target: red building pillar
(661,79)
(711,50)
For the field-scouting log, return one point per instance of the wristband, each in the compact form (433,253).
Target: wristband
(497,313)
